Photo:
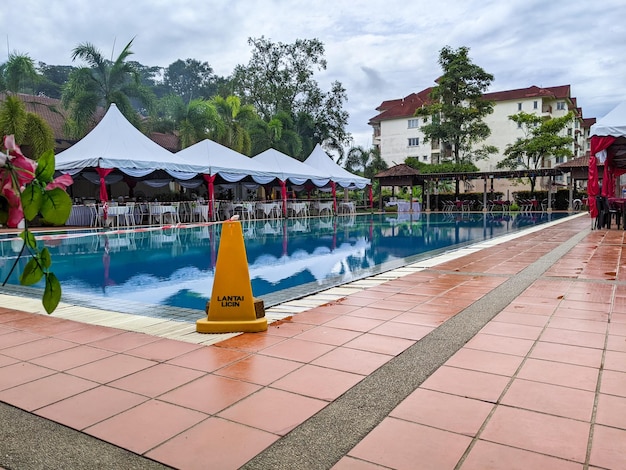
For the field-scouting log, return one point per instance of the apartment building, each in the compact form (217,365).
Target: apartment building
(396,129)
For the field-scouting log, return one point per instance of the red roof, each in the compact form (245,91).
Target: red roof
(406,107)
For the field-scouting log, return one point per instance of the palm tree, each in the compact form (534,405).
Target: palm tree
(279,134)
(365,162)
(102,83)
(234,116)
(31,132)
(18,73)
(196,121)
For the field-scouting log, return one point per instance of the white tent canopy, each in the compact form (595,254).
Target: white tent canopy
(116,143)
(216,159)
(613,124)
(286,168)
(320,160)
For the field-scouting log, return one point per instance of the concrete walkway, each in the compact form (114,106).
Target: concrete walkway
(502,356)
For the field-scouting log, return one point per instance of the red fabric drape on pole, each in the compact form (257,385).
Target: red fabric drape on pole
(593,188)
(333,187)
(210,179)
(283,193)
(371,196)
(104,196)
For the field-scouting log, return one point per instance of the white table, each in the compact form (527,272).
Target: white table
(268,209)
(346,208)
(406,206)
(82,216)
(158,211)
(298,209)
(324,207)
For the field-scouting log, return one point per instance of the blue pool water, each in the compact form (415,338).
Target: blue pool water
(287,258)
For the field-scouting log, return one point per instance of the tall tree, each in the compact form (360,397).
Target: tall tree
(52,79)
(30,130)
(198,121)
(190,79)
(19,73)
(101,83)
(234,116)
(365,162)
(279,133)
(458,107)
(280,78)
(542,139)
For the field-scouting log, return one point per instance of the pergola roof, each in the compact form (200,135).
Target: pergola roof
(404,175)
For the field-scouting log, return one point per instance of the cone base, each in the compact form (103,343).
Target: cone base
(242,326)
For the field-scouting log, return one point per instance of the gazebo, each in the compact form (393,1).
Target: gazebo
(399,175)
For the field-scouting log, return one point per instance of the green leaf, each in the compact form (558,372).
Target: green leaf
(56,206)
(45,259)
(29,239)
(52,293)
(45,167)
(32,273)
(31,201)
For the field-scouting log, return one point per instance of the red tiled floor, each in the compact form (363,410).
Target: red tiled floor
(375,313)
(611,411)
(318,382)
(489,456)
(145,426)
(500,344)
(287,329)
(156,380)
(314,317)
(297,350)
(511,330)
(34,349)
(485,361)
(380,344)
(467,383)
(522,318)
(124,342)
(44,391)
(111,368)
(537,432)
(326,335)
(90,407)
(163,350)
(208,359)
(275,411)
(210,394)
(613,360)
(576,324)
(616,343)
(425,319)
(350,463)
(567,353)
(352,360)
(21,373)
(608,448)
(6,360)
(401,445)
(349,322)
(250,343)
(575,338)
(557,373)
(259,369)
(443,411)
(552,399)
(17,337)
(402,330)
(203,446)
(73,357)
(89,333)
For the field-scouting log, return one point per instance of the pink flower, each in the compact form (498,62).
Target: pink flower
(62,182)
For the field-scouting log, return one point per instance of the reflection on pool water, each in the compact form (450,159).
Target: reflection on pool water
(287,258)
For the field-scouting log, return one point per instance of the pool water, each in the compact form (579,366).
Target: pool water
(287,258)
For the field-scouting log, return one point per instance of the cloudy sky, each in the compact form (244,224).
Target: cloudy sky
(377,50)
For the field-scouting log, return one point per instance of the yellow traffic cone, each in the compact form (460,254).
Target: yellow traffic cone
(232,307)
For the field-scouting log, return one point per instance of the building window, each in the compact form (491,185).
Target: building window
(535,104)
(560,105)
(425,120)
(569,131)
(414,123)
(414,141)
(519,106)
(425,158)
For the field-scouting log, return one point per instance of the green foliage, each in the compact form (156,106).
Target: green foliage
(280,78)
(458,107)
(447,167)
(30,130)
(542,140)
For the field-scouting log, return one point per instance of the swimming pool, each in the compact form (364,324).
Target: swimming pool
(132,271)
